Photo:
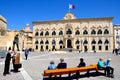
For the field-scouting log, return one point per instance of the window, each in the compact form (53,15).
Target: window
(93,42)
(77,42)
(53,33)
(93,32)
(36,47)
(47,42)
(77,32)
(36,42)
(117,37)
(60,33)
(93,48)
(41,42)
(36,34)
(106,41)
(60,42)
(47,47)
(77,47)
(41,34)
(99,31)
(2,32)
(106,47)
(85,32)
(69,31)
(100,42)
(85,42)
(100,47)
(106,31)
(47,33)
(61,47)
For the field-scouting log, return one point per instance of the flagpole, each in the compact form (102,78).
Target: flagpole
(68,5)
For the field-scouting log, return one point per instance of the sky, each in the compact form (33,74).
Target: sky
(18,13)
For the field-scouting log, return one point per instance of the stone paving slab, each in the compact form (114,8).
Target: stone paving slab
(38,62)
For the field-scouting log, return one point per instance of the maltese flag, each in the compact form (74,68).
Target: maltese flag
(71,6)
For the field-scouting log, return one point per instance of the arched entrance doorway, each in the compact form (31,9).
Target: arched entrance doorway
(69,43)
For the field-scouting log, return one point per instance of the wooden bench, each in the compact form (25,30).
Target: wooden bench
(69,71)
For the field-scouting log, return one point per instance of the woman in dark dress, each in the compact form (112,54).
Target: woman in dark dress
(7,62)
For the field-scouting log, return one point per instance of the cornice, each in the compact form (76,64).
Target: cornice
(73,20)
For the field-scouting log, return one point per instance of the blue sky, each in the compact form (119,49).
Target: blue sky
(20,12)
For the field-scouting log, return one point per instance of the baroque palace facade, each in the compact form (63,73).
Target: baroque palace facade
(85,34)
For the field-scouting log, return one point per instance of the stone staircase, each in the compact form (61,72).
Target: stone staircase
(68,49)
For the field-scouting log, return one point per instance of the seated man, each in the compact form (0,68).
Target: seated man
(82,63)
(109,69)
(101,66)
(62,64)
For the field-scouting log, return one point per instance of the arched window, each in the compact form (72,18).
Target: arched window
(77,32)
(106,41)
(60,33)
(41,42)
(93,42)
(93,32)
(77,42)
(41,34)
(53,33)
(100,41)
(69,31)
(106,31)
(85,32)
(60,42)
(85,42)
(36,42)
(47,33)
(36,47)
(2,32)
(36,34)
(99,31)
(47,42)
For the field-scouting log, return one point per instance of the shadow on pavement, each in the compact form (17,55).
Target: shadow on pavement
(75,77)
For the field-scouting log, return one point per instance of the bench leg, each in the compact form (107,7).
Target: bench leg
(69,74)
(50,77)
(88,74)
(77,74)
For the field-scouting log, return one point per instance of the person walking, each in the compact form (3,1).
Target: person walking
(26,53)
(7,62)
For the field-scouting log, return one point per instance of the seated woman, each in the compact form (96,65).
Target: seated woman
(52,65)
(101,66)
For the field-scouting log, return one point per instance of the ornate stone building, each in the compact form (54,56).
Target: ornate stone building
(86,34)
(116,36)
(7,36)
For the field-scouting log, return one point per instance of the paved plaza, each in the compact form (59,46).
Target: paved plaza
(38,61)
